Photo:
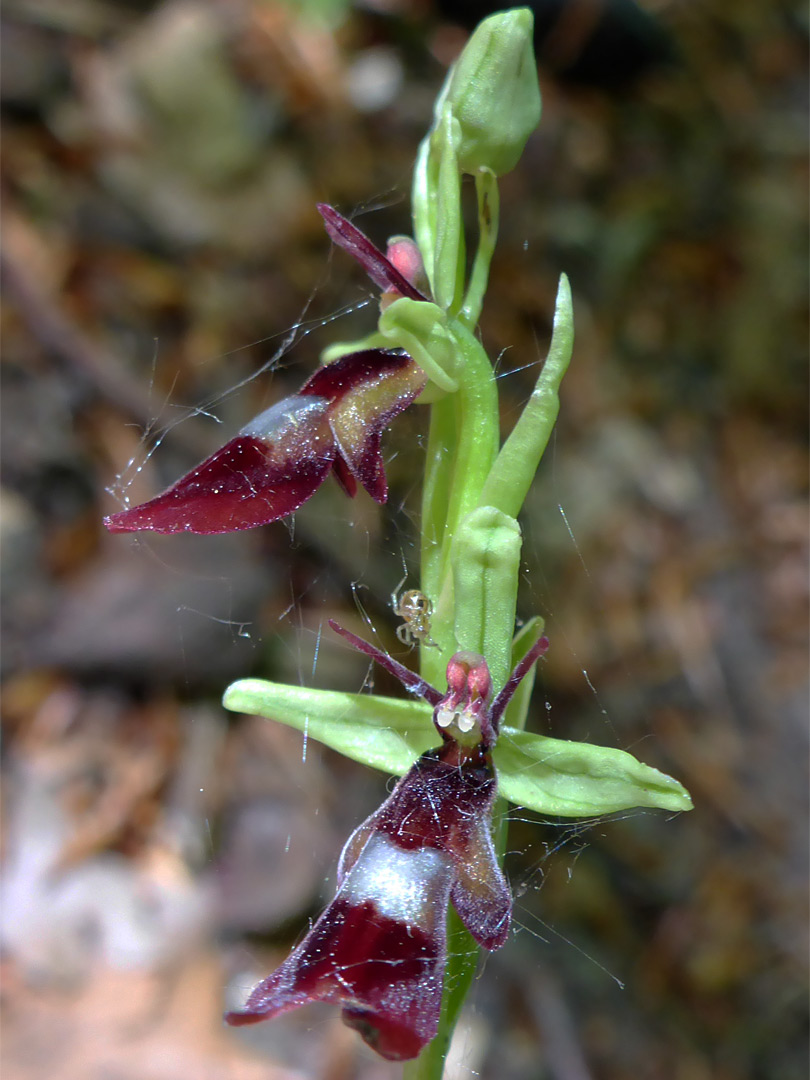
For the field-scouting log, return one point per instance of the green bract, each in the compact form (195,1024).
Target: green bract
(512,474)
(552,776)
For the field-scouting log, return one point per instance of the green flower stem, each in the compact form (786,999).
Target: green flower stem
(486,188)
(469,569)
(471,541)
(462,962)
(470,551)
(470,562)
(512,474)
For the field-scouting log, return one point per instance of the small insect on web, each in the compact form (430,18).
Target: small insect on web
(416,609)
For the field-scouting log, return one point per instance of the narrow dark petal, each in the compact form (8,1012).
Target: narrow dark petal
(275,464)
(409,679)
(380,269)
(522,667)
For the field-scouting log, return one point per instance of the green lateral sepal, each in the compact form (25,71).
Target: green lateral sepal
(551,776)
(573,779)
(425,333)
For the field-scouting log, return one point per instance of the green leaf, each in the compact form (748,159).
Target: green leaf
(571,779)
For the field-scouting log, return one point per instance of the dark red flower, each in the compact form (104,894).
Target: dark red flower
(335,422)
(379,949)
(280,459)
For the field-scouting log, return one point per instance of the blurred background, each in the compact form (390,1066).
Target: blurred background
(165,277)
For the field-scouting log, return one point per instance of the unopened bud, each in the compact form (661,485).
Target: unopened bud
(403,253)
(494,93)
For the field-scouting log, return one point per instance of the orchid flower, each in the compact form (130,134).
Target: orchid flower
(333,424)
(379,949)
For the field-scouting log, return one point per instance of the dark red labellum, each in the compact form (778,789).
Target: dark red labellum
(280,459)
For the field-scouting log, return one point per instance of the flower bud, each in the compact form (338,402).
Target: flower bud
(494,94)
(403,253)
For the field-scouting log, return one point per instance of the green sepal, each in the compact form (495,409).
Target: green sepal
(551,776)
(485,558)
(375,340)
(573,779)
(423,330)
(385,733)
(447,279)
